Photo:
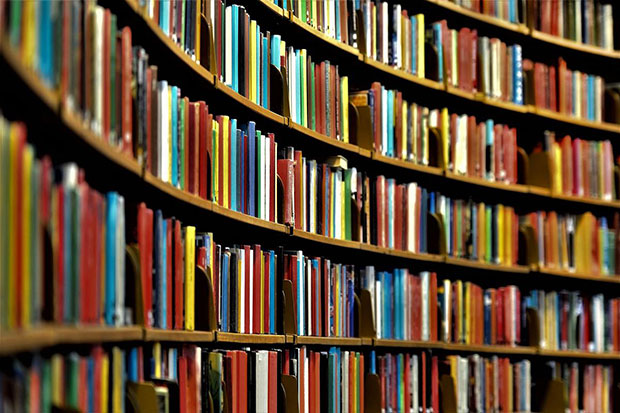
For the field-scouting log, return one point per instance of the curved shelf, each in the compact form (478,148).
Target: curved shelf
(154,334)
(549,114)
(48,336)
(401,74)
(513,27)
(350,50)
(614,279)
(258,109)
(462,262)
(431,170)
(349,147)
(329,341)
(571,44)
(242,338)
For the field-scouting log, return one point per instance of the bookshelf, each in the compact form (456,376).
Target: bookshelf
(53,337)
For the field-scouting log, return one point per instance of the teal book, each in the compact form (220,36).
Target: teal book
(233,165)
(235,47)
(174,136)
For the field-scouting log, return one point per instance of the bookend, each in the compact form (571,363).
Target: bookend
(361,33)
(528,246)
(288,395)
(431,62)
(360,126)
(372,393)
(539,170)
(288,308)
(522,166)
(554,400)
(64,409)
(173,391)
(278,91)
(612,105)
(447,394)
(532,325)
(436,241)
(204,302)
(365,321)
(207,51)
(140,397)
(435,149)
(133,284)
(617,180)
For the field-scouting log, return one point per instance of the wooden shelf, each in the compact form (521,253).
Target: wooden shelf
(223,337)
(550,114)
(248,219)
(328,341)
(47,336)
(258,109)
(433,258)
(462,262)
(523,189)
(153,334)
(571,44)
(389,342)
(326,240)
(431,170)
(401,74)
(513,27)
(349,147)
(614,279)
(489,348)
(275,8)
(579,354)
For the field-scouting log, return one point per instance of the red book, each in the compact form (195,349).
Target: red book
(417,308)
(183,399)
(266,293)
(435,383)
(423,371)
(272,177)
(126,104)
(398,216)
(375,89)
(193,382)
(287,176)
(473,60)
(178,276)
(298,190)
(326,313)
(105,127)
(464,53)
(272,387)
(97,354)
(204,137)
(85,272)
(256,292)
(82,384)
(242,381)
(552,89)
(301,358)
(499,310)
(145,245)
(433,307)
(220,155)
(149,97)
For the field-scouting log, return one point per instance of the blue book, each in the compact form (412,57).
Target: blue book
(174,359)
(45,42)
(272,292)
(252,169)
(163,287)
(174,136)
(517,74)
(489,148)
(265,72)
(431,203)
(373,362)
(337,4)
(590,101)
(414,35)
(512,16)
(233,165)
(132,365)
(388,288)
(275,51)
(225,275)
(235,47)
(90,378)
(164,16)
(110,247)
(439,44)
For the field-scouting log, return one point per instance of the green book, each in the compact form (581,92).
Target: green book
(15,23)
(72,380)
(181,125)
(312,99)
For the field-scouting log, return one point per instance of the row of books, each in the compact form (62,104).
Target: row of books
(581,243)
(512,11)
(491,384)
(587,21)
(82,228)
(580,167)
(477,64)
(189,378)
(569,92)
(572,321)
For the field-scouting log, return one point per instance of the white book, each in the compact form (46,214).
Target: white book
(164,163)
(306,383)
(608,27)
(425,281)
(378,306)
(384,121)
(411,195)
(228,49)
(461,145)
(308,272)
(397,58)
(262,381)
(268,185)
(265,180)
(447,327)
(414,384)
(243,292)
(578,36)
(301,314)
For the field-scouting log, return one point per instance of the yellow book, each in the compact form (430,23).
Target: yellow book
(331,205)
(105,379)
(344,85)
(282,48)
(482,233)
(583,242)
(197,32)
(557,168)
(262,292)
(508,216)
(500,231)
(58,389)
(225,166)
(215,162)
(117,380)
(459,304)
(606,380)
(157,359)
(190,268)
(445,132)
(510,386)
(26,232)
(29,33)
(253,85)
(420,45)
